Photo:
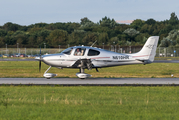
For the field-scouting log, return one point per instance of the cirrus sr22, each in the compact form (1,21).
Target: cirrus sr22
(85,57)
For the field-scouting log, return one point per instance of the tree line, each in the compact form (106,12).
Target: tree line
(106,32)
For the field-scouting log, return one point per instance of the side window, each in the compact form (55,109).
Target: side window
(93,52)
(79,51)
(67,51)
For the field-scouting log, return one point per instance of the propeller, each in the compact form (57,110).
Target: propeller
(40,61)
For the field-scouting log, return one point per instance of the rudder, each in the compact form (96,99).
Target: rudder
(148,51)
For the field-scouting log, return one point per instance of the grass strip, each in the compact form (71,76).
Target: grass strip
(30,69)
(89,103)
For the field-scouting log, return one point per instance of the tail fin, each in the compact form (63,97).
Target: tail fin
(148,52)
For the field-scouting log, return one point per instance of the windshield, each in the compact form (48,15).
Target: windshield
(67,51)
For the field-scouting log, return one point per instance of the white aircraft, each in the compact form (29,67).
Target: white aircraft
(84,57)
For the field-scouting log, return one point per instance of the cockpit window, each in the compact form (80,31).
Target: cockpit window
(79,51)
(93,52)
(67,51)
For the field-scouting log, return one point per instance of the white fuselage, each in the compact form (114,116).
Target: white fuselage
(104,59)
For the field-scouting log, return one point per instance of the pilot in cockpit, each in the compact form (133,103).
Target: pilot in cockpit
(77,53)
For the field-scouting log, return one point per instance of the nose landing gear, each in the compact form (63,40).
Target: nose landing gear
(49,75)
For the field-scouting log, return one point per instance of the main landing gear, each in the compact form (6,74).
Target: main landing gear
(81,74)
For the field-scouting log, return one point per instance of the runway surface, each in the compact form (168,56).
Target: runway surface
(91,81)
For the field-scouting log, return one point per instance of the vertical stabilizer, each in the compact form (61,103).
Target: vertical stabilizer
(148,52)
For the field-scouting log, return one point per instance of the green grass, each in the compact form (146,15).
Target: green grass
(110,103)
(30,69)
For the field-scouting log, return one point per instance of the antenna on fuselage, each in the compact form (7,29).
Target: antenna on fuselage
(93,43)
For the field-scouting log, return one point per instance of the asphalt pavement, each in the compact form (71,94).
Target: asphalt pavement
(91,81)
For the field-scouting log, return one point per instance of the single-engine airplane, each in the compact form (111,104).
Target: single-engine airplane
(85,57)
